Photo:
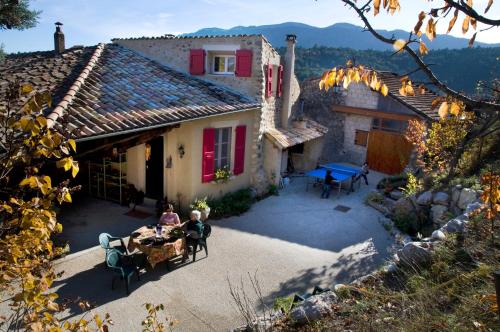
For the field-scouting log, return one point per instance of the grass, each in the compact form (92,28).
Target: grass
(454,293)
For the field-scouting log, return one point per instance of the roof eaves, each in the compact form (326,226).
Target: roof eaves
(189,37)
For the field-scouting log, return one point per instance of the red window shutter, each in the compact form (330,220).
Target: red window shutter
(207,166)
(269,81)
(243,63)
(239,150)
(280,80)
(197,62)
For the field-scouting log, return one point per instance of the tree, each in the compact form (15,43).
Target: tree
(15,14)
(486,110)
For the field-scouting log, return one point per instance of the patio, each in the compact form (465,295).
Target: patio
(293,241)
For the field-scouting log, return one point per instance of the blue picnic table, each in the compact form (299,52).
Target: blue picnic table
(340,173)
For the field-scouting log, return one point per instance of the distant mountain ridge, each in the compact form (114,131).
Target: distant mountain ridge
(336,35)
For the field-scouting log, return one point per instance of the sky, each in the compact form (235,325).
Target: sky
(88,22)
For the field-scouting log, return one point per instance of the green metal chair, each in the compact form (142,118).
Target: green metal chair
(115,261)
(202,241)
(105,240)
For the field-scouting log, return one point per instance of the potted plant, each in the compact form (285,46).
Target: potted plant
(201,205)
(222,175)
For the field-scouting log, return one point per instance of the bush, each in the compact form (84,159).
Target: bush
(272,189)
(393,182)
(374,197)
(231,204)
(467,182)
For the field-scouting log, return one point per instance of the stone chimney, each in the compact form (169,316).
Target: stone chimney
(59,39)
(288,72)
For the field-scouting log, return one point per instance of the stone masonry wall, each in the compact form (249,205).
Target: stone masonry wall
(359,95)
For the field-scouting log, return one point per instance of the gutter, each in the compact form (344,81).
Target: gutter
(135,130)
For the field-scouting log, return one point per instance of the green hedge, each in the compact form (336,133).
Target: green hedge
(231,204)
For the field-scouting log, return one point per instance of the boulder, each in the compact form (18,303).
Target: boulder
(441,198)
(453,226)
(337,287)
(438,213)
(425,198)
(313,308)
(467,196)
(403,205)
(438,235)
(415,253)
(455,194)
(396,194)
(390,268)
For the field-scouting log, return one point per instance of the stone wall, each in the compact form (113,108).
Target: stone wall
(359,95)
(353,153)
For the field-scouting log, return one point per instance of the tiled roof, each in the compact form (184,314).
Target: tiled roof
(119,90)
(45,71)
(420,103)
(169,36)
(285,138)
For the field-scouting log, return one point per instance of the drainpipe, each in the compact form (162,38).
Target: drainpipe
(288,72)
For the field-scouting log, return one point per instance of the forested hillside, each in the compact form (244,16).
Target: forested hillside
(461,68)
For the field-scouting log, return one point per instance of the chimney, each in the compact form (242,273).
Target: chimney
(288,72)
(59,39)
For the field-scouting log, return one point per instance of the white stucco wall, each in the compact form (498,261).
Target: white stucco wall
(136,166)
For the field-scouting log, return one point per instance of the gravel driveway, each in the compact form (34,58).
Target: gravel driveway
(291,242)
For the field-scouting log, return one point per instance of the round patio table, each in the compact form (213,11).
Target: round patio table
(157,249)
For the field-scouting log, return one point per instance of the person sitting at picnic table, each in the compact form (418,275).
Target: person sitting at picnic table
(193,228)
(169,217)
(327,184)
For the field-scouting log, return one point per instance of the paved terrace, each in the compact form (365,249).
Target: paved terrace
(293,242)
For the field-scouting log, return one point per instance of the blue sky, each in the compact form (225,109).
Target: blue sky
(87,22)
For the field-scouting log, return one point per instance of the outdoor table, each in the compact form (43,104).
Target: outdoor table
(339,172)
(156,252)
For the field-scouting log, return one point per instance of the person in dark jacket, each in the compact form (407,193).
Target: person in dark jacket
(193,229)
(327,184)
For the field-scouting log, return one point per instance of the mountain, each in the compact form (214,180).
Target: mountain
(336,35)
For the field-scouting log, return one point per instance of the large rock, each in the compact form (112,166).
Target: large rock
(402,205)
(467,196)
(472,207)
(441,198)
(454,226)
(313,308)
(425,198)
(438,235)
(415,253)
(438,213)
(455,194)
(396,194)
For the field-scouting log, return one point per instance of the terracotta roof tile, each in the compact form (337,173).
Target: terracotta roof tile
(285,138)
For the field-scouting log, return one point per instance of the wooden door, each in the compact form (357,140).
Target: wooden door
(387,152)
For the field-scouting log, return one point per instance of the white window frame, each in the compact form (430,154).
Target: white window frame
(226,57)
(218,144)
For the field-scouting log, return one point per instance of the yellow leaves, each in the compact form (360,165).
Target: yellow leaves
(422,48)
(399,45)
(452,21)
(465,24)
(376,7)
(430,30)
(384,90)
(490,2)
(443,110)
(65,163)
(72,143)
(25,89)
(421,18)
(455,108)
(471,41)
(406,88)
(74,168)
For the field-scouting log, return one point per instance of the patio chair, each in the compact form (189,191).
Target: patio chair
(202,242)
(121,268)
(105,241)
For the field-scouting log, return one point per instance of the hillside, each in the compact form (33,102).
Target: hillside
(461,69)
(336,35)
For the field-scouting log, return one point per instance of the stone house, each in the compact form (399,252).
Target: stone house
(363,124)
(164,114)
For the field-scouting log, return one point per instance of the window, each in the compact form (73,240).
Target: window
(361,138)
(297,149)
(223,64)
(222,151)
(395,126)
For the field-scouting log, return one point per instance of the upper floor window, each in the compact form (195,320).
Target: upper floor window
(223,64)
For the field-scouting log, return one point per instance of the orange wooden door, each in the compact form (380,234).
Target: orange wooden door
(387,152)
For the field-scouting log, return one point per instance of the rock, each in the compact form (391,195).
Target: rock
(391,268)
(313,308)
(438,235)
(453,226)
(403,205)
(425,198)
(396,194)
(470,208)
(414,253)
(455,194)
(337,287)
(467,196)
(441,198)
(438,213)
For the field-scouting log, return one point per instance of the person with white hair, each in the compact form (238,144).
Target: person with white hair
(194,227)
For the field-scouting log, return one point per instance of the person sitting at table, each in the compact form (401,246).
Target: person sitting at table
(327,184)
(193,228)
(169,217)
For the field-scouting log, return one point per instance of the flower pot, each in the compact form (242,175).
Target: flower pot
(205,213)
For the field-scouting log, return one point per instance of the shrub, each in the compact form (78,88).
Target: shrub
(231,204)
(283,303)
(374,197)
(413,185)
(272,189)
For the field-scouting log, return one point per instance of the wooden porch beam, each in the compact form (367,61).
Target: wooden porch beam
(373,113)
